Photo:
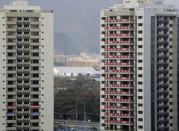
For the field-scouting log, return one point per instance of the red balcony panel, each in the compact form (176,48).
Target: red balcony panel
(116,107)
(118,71)
(118,85)
(12,106)
(118,114)
(118,42)
(115,63)
(120,100)
(117,78)
(117,49)
(117,27)
(117,20)
(35,106)
(117,92)
(115,35)
(113,122)
(117,56)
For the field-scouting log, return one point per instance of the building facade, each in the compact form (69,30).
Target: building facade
(26,55)
(139,46)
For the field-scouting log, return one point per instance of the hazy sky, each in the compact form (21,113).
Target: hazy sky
(78,19)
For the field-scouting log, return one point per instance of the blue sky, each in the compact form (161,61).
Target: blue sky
(78,19)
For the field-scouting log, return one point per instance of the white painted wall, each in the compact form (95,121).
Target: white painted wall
(47,42)
(3,72)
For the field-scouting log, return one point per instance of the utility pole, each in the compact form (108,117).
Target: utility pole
(76,110)
(84,111)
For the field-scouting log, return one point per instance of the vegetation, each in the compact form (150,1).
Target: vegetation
(81,95)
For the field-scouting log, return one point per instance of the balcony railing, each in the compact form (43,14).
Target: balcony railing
(117,49)
(117,27)
(35,106)
(11,107)
(118,20)
(118,100)
(118,114)
(117,107)
(117,56)
(118,42)
(118,78)
(117,63)
(118,35)
(118,92)
(118,85)
(118,71)
(117,122)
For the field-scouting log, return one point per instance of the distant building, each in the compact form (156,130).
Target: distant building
(60,60)
(139,67)
(82,60)
(75,71)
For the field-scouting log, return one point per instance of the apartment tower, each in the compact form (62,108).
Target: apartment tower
(26,62)
(139,83)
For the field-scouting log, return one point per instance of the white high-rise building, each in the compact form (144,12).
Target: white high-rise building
(139,67)
(26,62)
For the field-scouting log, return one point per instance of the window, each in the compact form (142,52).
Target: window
(139,61)
(140,127)
(140,32)
(140,39)
(139,68)
(139,46)
(140,83)
(139,90)
(140,17)
(139,53)
(140,112)
(140,97)
(140,119)
(139,75)
(140,104)
(140,24)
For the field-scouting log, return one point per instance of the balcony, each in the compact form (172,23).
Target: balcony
(118,93)
(118,42)
(118,56)
(118,122)
(119,20)
(118,107)
(11,106)
(118,28)
(118,35)
(116,63)
(118,78)
(119,100)
(119,114)
(35,113)
(35,106)
(11,114)
(119,85)
(119,71)
(118,49)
